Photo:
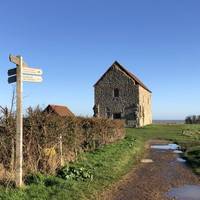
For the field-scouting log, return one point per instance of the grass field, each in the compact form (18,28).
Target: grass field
(108,165)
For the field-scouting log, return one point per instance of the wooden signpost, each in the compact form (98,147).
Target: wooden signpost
(21,73)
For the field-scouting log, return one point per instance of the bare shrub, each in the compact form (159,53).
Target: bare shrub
(44,134)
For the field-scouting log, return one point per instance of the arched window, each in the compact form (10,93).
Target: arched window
(116,92)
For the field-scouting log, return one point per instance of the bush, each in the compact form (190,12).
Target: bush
(192,119)
(44,134)
(32,178)
(75,173)
(193,154)
(51,181)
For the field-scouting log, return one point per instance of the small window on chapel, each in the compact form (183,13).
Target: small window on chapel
(116,92)
(108,112)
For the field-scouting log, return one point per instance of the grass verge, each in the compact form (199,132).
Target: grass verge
(193,156)
(108,164)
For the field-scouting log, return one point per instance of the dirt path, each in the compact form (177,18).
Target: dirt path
(151,181)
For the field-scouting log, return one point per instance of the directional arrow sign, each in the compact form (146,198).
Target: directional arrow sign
(12,79)
(32,78)
(16,59)
(12,72)
(32,71)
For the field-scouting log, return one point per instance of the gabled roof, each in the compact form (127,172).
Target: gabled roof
(132,76)
(62,111)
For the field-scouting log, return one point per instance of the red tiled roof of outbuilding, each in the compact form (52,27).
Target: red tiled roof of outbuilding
(62,111)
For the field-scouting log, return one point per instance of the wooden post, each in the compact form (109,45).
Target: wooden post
(61,151)
(12,162)
(19,134)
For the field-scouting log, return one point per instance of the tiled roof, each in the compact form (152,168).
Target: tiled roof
(132,76)
(60,110)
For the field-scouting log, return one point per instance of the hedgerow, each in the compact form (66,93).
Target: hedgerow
(50,141)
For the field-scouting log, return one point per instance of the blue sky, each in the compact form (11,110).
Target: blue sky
(75,41)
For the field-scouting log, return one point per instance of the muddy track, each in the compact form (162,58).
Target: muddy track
(151,181)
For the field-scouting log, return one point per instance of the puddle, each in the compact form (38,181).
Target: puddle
(183,161)
(166,147)
(187,192)
(146,161)
(177,151)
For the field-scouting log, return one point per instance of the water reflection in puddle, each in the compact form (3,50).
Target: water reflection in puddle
(177,151)
(146,160)
(187,192)
(183,161)
(174,147)
(166,147)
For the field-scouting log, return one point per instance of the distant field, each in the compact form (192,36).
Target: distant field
(168,121)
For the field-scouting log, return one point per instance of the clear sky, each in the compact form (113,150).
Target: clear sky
(75,41)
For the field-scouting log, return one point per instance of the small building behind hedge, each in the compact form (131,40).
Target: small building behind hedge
(119,94)
(62,111)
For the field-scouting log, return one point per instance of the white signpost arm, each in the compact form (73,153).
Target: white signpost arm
(19,115)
